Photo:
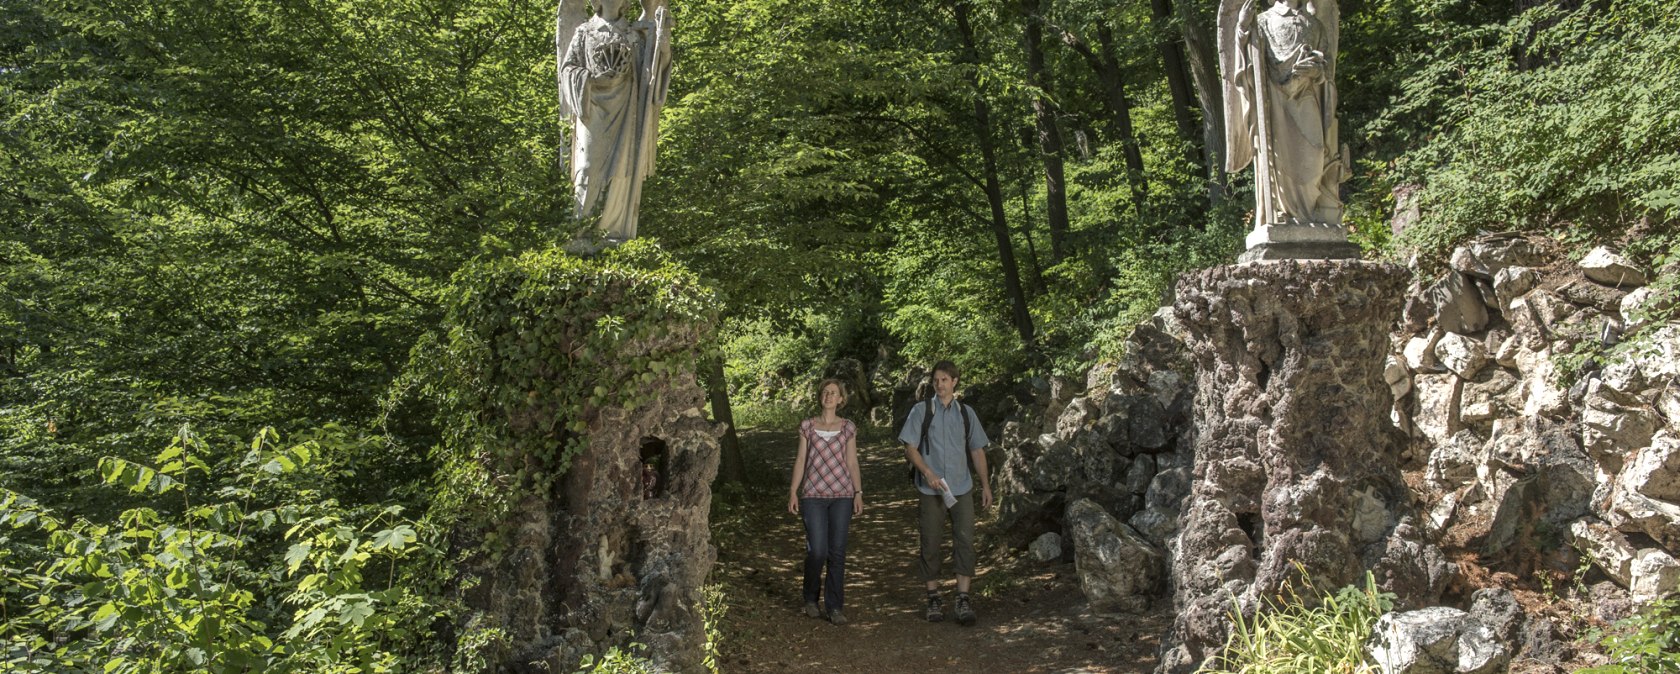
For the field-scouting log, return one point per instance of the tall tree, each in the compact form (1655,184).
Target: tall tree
(1178,79)
(1049,131)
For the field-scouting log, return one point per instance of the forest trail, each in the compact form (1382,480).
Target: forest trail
(1032,617)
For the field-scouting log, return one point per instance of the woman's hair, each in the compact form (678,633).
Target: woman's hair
(840,385)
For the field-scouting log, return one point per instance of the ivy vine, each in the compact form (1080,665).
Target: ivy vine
(533,348)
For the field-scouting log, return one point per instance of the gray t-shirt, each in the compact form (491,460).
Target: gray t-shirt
(945,455)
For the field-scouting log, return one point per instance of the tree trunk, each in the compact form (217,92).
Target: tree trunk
(994,187)
(1204,69)
(732,467)
(1049,135)
(1178,81)
(1114,79)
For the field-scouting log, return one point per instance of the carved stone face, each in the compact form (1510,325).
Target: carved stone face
(610,10)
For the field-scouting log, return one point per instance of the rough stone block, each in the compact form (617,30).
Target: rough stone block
(1511,283)
(1046,548)
(1436,640)
(1118,568)
(1611,268)
(1609,549)
(1461,355)
(1438,403)
(1655,574)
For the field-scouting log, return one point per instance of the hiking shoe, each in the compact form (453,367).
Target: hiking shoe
(811,610)
(965,612)
(836,617)
(935,608)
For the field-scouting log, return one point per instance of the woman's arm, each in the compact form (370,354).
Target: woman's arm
(857,475)
(798,476)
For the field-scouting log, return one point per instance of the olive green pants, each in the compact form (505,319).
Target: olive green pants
(932,525)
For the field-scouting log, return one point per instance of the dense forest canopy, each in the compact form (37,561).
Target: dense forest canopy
(230,215)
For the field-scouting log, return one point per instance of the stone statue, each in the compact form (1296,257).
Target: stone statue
(1279,72)
(613,77)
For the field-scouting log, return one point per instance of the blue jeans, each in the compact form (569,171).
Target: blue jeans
(826,521)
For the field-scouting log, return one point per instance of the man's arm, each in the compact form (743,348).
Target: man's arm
(933,481)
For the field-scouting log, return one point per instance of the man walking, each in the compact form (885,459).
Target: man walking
(943,440)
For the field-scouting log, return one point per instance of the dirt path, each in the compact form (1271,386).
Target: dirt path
(1032,616)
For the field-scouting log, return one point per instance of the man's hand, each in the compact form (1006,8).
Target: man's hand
(986,497)
(934,482)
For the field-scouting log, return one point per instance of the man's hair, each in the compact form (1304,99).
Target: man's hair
(947,367)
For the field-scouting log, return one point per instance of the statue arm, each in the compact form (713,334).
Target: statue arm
(573,77)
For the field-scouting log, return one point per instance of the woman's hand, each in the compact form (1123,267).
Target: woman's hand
(857,503)
(793,503)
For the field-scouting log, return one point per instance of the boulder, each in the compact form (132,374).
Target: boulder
(1436,640)
(1653,575)
(1587,294)
(1118,569)
(1612,430)
(1497,252)
(1646,497)
(1610,268)
(1155,524)
(1608,548)
(1046,548)
(1438,401)
(1537,386)
(1491,395)
(1511,283)
(1639,306)
(1461,355)
(1497,608)
(1457,304)
(1454,462)
(1420,352)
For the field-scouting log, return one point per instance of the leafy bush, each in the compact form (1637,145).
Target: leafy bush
(1646,643)
(244,573)
(1558,120)
(1292,637)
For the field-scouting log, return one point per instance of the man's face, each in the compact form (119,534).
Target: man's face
(943,384)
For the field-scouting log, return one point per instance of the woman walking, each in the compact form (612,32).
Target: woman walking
(827,490)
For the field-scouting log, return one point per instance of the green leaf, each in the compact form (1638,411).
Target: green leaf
(296,556)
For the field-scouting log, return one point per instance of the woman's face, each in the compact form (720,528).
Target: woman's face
(832,397)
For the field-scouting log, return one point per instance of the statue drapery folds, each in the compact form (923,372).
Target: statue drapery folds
(613,75)
(1279,66)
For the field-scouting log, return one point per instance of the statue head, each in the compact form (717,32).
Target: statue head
(611,10)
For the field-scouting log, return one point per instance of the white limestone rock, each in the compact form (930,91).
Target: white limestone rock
(1495,253)
(1458,304)
(1511,283)
(1610,268)
(1438,397)
(1436,640)
(1646,498)
(1454,463)
(1046,548)
(1609,549)
(1118,568)
(1655,574)
(1491,395)
(1537,386)
(1461,355)
(1420,352)
(1612,430)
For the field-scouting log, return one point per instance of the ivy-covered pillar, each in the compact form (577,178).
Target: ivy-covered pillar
(579,457)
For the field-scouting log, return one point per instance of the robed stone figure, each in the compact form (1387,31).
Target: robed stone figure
(614,73)
(1279,73)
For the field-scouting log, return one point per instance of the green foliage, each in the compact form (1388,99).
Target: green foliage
(714,607)
(1557,120)
(202,579)
(617,660)
(533,348)
(1293,637)
(1646,643)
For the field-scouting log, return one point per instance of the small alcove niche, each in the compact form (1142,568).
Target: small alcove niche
(656,462)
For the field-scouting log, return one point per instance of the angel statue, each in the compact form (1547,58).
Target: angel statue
(1280,114)
(613,76)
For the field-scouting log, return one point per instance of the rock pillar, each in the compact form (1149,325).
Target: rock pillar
(579,459)
(1296,462)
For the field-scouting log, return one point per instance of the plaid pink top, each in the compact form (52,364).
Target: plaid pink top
(825,462)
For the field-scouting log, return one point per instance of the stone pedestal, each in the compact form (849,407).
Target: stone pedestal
(1296,462)
(1299,242)
(583,458)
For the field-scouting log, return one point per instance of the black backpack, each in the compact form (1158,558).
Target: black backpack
(927,422)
